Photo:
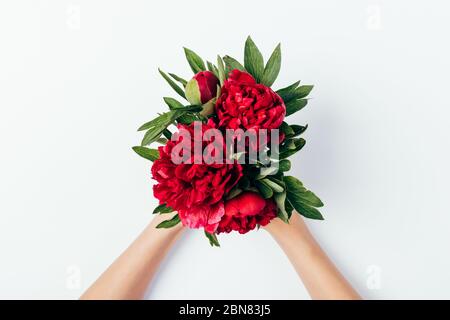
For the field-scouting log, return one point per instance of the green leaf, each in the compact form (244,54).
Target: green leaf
(169,223)
(193,92)
(311,199)
(231,64)
(234,193)
(303,200)
(186,118)
(210,66)
(219,91)
(295,185)
(207,109)
(189,108)
(166,132)
(285,165)
(216,71)
(253,60)
(221,70)
(264,189)
(295,93)
(252,189)
(147,153)
(162,119)
(295,105)
(195,62)
(303,91)
(309,212)
(266,171)
(162,140)
(273,185)
(280,200)
(289,208)
(179,79)
(173,103)
(289,144)
(286,129)
(151,136)
(172,84)
(291,131)
(162,209)
(277,181)
(193,108)
(298,144)
(157,126)
(298,130)
(212,239)
(213,69)
(272,67)
(285,93)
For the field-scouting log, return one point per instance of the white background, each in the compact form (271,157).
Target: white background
(78,77)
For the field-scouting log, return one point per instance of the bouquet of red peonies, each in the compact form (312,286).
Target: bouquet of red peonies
(223,156)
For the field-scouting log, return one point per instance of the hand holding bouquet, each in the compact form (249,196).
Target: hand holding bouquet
(223,157)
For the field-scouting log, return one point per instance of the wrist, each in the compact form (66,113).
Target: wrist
(294,228)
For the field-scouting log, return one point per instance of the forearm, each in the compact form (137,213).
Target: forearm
(319,275)
(129,276)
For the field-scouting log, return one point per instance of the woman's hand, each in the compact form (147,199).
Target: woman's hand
(128,277)
(318,273)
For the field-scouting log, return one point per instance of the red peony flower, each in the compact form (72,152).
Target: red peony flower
(245,104)
(244,212)
(195,190)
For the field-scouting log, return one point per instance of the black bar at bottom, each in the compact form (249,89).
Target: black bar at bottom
(222,309)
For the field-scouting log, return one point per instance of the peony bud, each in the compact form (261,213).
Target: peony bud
(202,87)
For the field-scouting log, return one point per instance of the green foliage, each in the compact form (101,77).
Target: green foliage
(188,115)
(272,67)
(172,84)
(179,79)
(234,193)
(294,97)
(162,209)
(285,93)
(231,64)
(253,60)
(291,146)
(295,105)
(304,201)
(195,62)
(147,153)
(220,70)
(157,126)
(284,165)
(169,223)
(280,200)
(212,239)
(265,190)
